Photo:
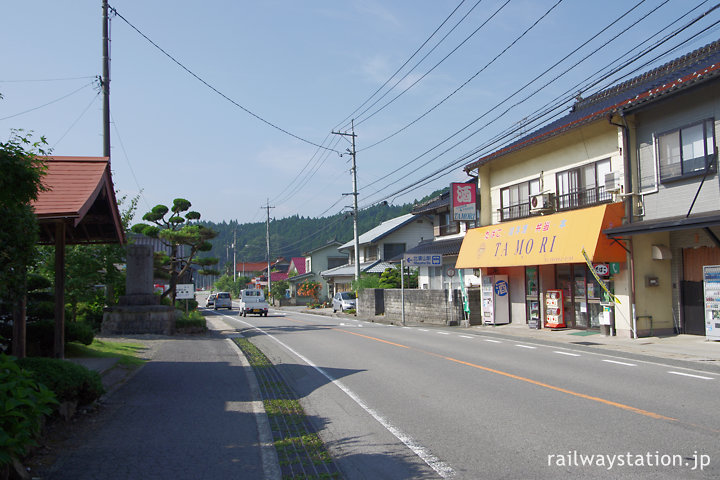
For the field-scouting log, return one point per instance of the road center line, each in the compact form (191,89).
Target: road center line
(492,341)
(567,353)
(690,375)
(525,346)
(466,336)
(620,363)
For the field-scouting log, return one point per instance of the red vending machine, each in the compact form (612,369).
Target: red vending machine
(554,317)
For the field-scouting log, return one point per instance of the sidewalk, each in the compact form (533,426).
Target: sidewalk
(193,411)
(690,348)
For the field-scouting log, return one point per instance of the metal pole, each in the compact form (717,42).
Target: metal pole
(106,81)
(402,288)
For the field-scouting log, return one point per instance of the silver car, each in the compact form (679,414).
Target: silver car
(223,300)
(343,301)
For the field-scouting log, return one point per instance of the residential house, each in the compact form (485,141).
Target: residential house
(377,247)
(578,215)
(315,261)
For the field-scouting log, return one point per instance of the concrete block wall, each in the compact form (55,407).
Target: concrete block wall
(421,306)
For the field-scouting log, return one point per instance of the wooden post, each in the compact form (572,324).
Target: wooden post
(59,345)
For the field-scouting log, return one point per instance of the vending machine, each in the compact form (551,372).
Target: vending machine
(711,289)
(554,314)
(495,299)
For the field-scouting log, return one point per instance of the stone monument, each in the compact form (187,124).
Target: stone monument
(139,310)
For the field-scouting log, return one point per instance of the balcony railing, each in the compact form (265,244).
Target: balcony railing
(583,198)
(511,212)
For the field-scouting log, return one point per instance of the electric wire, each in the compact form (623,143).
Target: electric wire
(437,173)
(517,39)
(31,80)
(204,82)
(338,126)
(127,160)
(48,103)
(506,99)
(436,65)
(82,114)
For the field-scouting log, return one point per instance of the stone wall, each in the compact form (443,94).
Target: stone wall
(138,319)
(421,306)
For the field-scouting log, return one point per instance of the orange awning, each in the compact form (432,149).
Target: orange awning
(545,240)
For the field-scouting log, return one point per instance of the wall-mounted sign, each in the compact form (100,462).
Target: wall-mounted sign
(602,269)
(412,260)
(463,202)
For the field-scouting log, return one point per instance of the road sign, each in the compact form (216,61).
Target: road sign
(450,272)
(184,291)
(412,260)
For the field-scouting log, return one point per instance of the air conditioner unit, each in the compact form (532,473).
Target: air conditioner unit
(614,182)
(542,202)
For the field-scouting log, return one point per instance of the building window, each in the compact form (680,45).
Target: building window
(371,253)
(336,262)
(447,225)
(392,250)
(583,186)
(515,199)
(687,150)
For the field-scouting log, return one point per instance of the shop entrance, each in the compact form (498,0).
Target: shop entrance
(581,296)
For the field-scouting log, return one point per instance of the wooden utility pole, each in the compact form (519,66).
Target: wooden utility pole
(267,241)
(105,81)
(355,197)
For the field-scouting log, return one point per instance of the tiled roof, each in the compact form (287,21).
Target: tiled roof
(80,191)
(346,270)
(299,263)
(448,246)
(278,276)
(250,267)
(671,78)
(441,201)
(382,230)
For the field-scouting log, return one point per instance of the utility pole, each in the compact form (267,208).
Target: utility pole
(105,81)
(267,241)
(234,258)
(355,196)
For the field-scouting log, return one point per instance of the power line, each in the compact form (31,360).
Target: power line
(201,80)
(31,80)
(82,114)
(408,61)
(48,103)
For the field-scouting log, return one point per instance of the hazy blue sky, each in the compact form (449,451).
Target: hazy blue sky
(305,67)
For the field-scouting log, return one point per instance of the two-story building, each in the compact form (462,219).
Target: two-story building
(579,218)
(377,247)
(315,261)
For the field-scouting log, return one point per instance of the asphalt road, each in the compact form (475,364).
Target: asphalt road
(408,402)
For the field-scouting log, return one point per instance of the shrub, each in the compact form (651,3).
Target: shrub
(23,404)
(69,381)
(91,313)
(193,320)
(79,332)
(191,303)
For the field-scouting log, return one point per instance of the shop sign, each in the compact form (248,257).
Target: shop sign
(599,280)
(602,269)
(614,268)
(464,201)
(184,291)
(501,288)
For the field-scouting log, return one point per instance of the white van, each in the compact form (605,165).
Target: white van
(252,300)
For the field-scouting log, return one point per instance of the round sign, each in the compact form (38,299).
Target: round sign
(602,269)
(450,272)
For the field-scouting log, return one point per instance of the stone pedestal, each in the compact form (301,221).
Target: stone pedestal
(139,310)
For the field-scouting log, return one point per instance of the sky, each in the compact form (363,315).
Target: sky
(233,104)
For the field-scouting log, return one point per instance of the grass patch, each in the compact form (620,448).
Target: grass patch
(296,445)
(127,353)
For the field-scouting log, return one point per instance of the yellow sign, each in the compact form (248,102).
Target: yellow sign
(544,240)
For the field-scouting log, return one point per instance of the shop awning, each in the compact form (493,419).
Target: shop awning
(545,240)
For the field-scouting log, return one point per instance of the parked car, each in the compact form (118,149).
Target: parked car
(210,302)
(343,301)
(223,300)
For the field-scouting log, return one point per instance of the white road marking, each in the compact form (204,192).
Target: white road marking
(620,363)
(493,341)
(440,467)
(525,346)
(442,333)
(690,375)
(423,329)
(567,353)
(466,336)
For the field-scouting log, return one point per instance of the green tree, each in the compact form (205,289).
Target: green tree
(390,278)
(174,231)
(20,183)
(366,280)
(279,288)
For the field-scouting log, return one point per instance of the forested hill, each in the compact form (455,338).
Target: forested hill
(293,236)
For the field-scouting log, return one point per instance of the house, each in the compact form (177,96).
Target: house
(575,216)
(315,261)
(377,247)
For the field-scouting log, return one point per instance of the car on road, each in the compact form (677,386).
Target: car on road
(210,302)
(343,301)
(252,300)
(223,300)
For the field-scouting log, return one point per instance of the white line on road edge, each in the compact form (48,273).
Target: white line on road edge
(567,353)
(620,363)
(525,346)
(466,336)
(492,341)
(442,333)
(440,467)
(690,375)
